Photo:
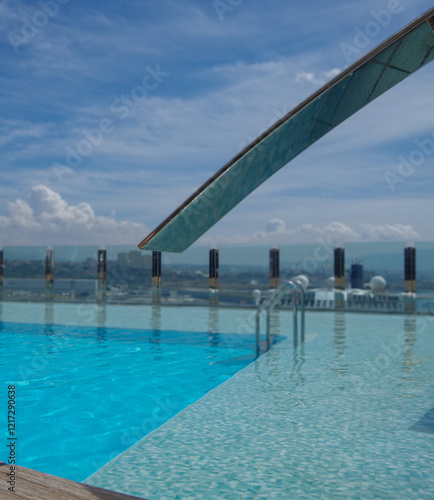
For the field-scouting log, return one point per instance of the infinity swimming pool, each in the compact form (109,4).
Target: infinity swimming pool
(348,414)
(92,381)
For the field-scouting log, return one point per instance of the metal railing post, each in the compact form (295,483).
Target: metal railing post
(302,315)
(257,345)
(267,336)
(270,303)
(294,314)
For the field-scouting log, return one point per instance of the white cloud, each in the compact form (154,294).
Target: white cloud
(276,233)
(45,218)
(394,232)
(319,79)
(275,226)
(19,131)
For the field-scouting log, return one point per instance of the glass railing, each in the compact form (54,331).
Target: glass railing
(244,276)
(24,272)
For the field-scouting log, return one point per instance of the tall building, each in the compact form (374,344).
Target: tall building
(339,268)
(356,274)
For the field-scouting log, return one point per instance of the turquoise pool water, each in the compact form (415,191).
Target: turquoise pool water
(87,388)
(348,414)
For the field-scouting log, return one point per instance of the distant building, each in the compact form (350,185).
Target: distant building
(76,287)
(134,259)
(356,275)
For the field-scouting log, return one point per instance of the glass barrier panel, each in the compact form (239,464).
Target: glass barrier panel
(315,261)
(243,273)
(129,274)
(373,271)
(185,277)
(24,272)
(75,272)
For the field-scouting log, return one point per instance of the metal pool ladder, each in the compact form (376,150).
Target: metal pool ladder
(269,304)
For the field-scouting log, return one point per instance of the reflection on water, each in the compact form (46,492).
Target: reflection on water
(281,381)
(273,369)
(1,316)
(339,331)
(101,331)
(156,331)
(410,361)
(156,318)
(53,343)
(101,335)
(274,325)
(48,319)
(298,379)
(213,326)
(298,360)
(339,364)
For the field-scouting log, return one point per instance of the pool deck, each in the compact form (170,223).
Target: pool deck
(290,425)
(34,485)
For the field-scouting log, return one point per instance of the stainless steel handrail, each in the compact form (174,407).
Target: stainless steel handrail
(302,300)
(269,305)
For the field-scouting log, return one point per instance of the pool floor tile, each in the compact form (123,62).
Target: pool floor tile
(289,426)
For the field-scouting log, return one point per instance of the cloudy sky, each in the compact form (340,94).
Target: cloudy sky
(113,112)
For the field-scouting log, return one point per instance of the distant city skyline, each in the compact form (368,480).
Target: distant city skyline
(376,257)
(135,259)
(98,150)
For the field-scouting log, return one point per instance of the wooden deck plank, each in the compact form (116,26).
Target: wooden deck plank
(33,485)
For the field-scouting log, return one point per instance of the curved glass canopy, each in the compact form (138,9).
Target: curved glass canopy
(392,61)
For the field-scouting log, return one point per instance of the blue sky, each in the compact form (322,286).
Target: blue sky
(113,113)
